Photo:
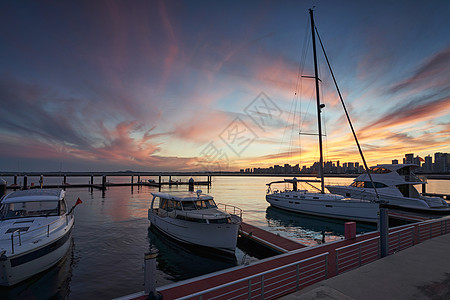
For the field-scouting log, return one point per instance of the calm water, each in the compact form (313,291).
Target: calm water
(112,234)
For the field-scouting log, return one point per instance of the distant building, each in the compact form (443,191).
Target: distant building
(409,158)
(441,162)
(395,161)
(428,165)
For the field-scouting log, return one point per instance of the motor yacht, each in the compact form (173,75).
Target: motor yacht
(35,232)
(395,184)
(194,218)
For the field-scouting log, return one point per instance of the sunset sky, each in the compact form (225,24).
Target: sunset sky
(217,85)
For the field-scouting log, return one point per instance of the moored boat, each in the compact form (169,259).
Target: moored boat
(35,232)
(320,203)
(194,218)
(395,184)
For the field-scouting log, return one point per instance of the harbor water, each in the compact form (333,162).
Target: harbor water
(112,233)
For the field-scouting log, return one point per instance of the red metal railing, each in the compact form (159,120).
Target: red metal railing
(297,275)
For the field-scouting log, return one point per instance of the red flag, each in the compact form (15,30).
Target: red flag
(78,202)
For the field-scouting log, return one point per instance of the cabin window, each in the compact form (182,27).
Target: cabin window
(379,170)
(163,204)
(205,204)
(188,205)
(177,205)
(170,205)
(378,185)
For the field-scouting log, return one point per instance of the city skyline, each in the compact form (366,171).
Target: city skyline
(201,85)
(441,164)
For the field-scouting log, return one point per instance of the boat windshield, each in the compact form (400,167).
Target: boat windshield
(198,204)
(28,209)
(205,204)
(188,205)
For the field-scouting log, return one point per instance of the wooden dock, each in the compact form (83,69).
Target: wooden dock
(325,260)
(267,239)
(105,184)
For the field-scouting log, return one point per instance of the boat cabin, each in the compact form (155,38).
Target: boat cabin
(188,206)
(33,203)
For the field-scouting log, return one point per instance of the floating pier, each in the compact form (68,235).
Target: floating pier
(292,271)
(25,184)
(267,239)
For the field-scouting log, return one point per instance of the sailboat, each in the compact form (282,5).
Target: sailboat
(320,203)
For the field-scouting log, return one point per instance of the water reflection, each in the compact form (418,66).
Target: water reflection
(307,229)
(180,261)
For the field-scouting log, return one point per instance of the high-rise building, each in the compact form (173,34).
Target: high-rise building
(440,162)
(409,158)
(428,165)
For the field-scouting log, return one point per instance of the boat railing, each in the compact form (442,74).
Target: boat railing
(43,230)
(231,209)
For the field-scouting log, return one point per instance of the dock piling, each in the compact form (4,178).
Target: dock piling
(191,184)
(2,188)
(150,271)
(25,182)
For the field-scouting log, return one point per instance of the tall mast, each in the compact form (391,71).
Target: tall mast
(319,106)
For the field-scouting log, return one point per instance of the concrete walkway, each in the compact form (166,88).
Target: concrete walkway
(419,272)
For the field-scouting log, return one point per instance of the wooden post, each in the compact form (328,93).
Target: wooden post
(103,182)
(92,179)
(139,178)
(132,179)
(41,181)
(191,184)
(2,187)
(15,179)
(25,182)
(65,179)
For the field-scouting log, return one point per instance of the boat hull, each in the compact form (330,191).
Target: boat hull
(392,201)
(364,211)
(222,237)
(20,267)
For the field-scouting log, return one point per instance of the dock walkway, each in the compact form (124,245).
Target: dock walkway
(273,241)
(419,272)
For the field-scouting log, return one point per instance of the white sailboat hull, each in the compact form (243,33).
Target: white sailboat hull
(327,206)
(222,237)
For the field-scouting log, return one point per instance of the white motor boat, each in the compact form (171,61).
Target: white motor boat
(322,204)
(395,185)
(35,233)
(194,218)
